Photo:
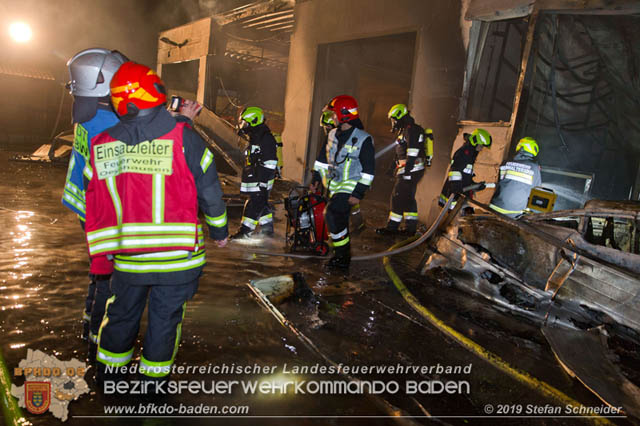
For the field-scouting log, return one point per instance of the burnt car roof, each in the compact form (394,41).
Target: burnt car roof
(626,205)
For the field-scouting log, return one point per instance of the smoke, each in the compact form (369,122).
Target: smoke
(64,27)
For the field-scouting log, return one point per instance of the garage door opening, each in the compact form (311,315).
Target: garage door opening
(378,73)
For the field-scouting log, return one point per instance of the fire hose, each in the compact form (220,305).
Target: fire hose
(415,243)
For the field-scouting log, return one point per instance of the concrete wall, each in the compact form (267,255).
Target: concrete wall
(436,83)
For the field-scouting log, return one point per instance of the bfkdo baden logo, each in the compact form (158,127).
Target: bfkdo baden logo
(37,396)
(50,384)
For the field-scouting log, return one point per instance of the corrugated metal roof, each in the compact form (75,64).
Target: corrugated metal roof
(26,72)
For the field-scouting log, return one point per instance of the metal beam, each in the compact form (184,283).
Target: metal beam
(268,21)
(277,24)
(282,28)
(526,53)
(253,10)
(604,7)
(269,15)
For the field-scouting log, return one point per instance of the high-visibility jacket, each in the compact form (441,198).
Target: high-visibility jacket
(340,165)
(161,214)
(517,178)
(73,196)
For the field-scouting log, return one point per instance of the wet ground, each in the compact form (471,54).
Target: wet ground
(358,319)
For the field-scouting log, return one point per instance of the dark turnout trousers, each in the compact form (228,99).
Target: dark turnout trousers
(337,216)
(167,305)
(257,212)
(403,202)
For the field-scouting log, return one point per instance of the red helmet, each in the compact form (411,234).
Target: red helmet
(135,87)
(345,107)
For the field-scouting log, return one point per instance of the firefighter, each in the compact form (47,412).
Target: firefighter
(90,73)
(461,170)
(517,178)
(147,178)
(258,173)
(346,166)
(414,151)
(356,222)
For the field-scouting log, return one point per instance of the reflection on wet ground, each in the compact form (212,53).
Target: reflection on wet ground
(356,322)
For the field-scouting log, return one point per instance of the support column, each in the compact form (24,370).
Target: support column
(202,79)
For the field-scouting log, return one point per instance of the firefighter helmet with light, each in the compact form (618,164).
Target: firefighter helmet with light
(136,87)
(480,137)
(395,114)
(91,71)
(327,121)
(252,116)
(528,145)
(397,111)
(248,118)
(345,107)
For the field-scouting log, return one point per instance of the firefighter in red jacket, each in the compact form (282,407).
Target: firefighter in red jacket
(147,178)
(356,222)
(346,167)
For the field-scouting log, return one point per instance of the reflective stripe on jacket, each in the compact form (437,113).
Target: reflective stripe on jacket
(73,196)
(461,170)
(344,170)
(410,148)
(142,197)
(261,161)
(517,177)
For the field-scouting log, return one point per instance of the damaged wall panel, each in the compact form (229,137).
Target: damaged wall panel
(577,93)
(488,162)
(186,43)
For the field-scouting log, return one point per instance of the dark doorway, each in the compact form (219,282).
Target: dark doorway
(181,78)
(377,72)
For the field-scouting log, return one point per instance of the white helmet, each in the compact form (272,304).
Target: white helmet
(91,71)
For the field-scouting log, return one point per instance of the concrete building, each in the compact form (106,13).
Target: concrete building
(561,71)
(382,53)
(509,66)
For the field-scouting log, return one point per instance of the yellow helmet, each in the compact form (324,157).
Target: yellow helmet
(397,111)
(529,145)
(480,136)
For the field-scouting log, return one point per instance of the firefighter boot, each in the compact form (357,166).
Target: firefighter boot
(341,258)
(410,228)
(392,225)
(390,229)
(242,234)
(267,230)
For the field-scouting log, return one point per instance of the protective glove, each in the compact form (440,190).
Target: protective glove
(481,186)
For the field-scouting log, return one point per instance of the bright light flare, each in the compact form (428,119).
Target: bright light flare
(20,32)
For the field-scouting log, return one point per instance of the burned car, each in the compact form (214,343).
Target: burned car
(579,266)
